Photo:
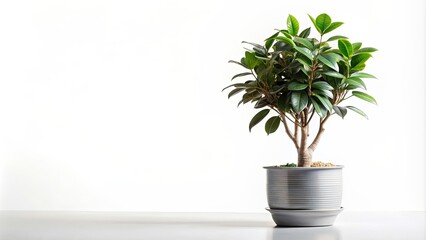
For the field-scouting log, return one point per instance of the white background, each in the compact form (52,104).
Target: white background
(117,106)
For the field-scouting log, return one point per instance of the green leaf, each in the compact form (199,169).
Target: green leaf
(284,102)
(292,25)
(241,75)
(321,111)
(305,52)
(268,43)
(321,85)
(235,91)
(366,50)
(262,102)
(299,100)
(305,42)
(333,26)
(315,24)
(272,124)
(323,21)
(364,96)
(303,62)
(325,102)
(356,46)
(329,61)
(296,86)
(337,37)
(362,75)
(345,47)
(273,36)
(305,33)
(257,118)
(359,59)
(355,81)
(358,67)
(325,93)
(341,111)
(232,61)
(333,74)
(286,40)
(286,33)
(251,60)
(236,85)
(357,110)
(253,44)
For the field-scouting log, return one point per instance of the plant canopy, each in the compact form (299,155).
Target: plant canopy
(295,76)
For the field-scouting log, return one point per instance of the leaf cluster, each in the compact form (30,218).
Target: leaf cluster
(297,76)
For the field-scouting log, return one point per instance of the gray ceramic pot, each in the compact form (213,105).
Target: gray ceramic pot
(313,190)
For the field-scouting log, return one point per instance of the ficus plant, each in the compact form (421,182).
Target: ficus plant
(297,79)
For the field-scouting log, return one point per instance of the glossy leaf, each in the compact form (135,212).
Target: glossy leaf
(333,26)
(345,47)
(241,75)
(358,67)
(323,21)
(235,91)
(232,61)
(262,102)
(258,118)
(321,85)
(333,74)
(315,24)
(357,110)
(272,36)
(341,111)
(356,46)
(286,40)
(303,62)
(306,52)
(305,33)
(364,96)
(337,37)
(325,93)
(299,100)
(268,43)
(329,61)
(325,102)
(305,42)
(355,81)
(251,60)
(236,85)
(292,25)
(366,50)
(272,124)
(362,75)
(296,86)
(253,44)
(359,59)
(321,111)
(284,103)
(286,33)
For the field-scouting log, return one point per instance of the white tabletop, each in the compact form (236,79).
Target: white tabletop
(19,225)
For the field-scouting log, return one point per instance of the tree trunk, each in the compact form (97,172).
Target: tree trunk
(304,158)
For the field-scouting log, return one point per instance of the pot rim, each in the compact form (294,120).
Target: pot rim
(302,168)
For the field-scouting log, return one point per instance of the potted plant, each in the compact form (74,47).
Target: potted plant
(300,81)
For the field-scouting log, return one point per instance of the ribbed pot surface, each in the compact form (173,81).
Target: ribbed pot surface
(304,188)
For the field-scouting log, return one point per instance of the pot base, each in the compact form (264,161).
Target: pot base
(304,218)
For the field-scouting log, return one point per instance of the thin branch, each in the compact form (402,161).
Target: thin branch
(287,130)
(321,129)
(296,133)
(310,118)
